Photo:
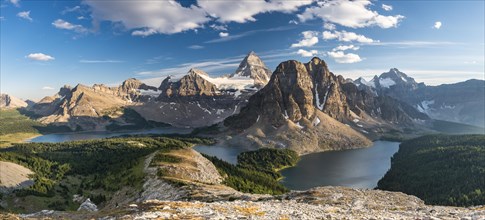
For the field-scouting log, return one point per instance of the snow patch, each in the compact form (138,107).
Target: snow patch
(386,82)
(424,106)
(355,120)
(219,111)
(237,93)
(205,110)
(286,115)
(236,82)
(299,126)
(259,116)
(317,99)
(316,121)
(150,92)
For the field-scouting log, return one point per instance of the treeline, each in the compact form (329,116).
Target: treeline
(14,122)
(440,169)
(256,171)
(268,160)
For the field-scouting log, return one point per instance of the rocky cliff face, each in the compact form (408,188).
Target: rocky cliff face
(10,102)
(290,111)
(252,66)
(191,86)
(329,110)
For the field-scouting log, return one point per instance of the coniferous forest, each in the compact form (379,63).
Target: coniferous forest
(440,169)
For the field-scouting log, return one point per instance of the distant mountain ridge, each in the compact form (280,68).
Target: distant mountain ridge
(461,102)
(299,94)
(10,102)
(196,99)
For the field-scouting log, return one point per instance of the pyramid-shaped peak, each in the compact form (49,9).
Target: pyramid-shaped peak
(252,66)
(197,71)
(252,53)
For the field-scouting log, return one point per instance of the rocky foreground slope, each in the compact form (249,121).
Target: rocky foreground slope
(202,196)
(317,203)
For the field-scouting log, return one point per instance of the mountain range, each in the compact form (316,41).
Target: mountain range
(302,106)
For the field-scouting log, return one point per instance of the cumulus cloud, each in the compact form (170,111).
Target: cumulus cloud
(149,17)
(196,47)
(307,53)
(342,57)
(40,57)
(223,34)
(346,36)
(437,25)
(47,88)
(354,14)
(61,24)
(387,7)
(242,11)
(15,2)
(169,16)
(25,15)
(310,38)
(346,47)
(329,26)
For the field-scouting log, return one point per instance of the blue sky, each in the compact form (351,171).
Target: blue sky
(46,44)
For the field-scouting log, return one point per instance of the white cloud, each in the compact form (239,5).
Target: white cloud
(354,14)
(341,57)
(346,47)
(73,9)
(25,15)
(292,22)
(150,17)
(40,57)
(310,38)
(248,33)
(346,36)
(329,26)
(144,33)
(218,27)
(61,24)
(101,61)
(196,47)
(437,25)
(242,11)
(387,7)
(47,88)
(2,18)
(307,53)
(15,2)
(223,34)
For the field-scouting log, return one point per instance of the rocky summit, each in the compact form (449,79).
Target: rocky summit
(8,102)
(306,104)
(252,66)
